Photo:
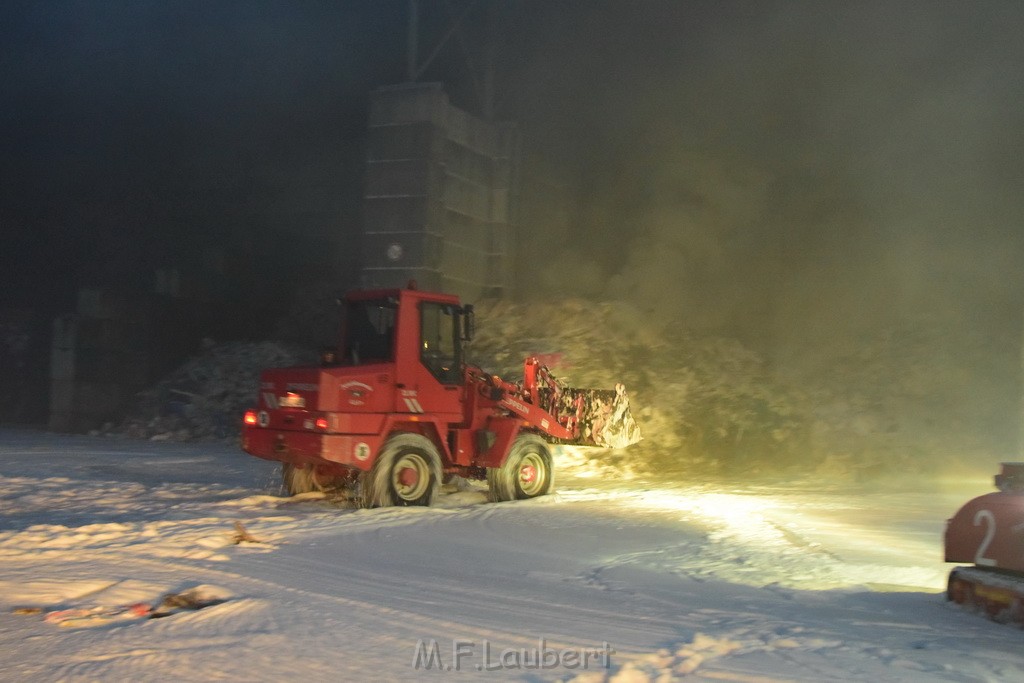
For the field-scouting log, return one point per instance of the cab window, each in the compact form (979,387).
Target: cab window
(370,331)
(438,347)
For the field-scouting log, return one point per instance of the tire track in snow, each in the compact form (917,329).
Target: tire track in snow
(373,615)
(372,590)
(480,606)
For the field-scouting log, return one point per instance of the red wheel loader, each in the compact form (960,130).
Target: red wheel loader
(396,409)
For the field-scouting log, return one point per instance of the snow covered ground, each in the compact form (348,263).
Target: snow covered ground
(607,580)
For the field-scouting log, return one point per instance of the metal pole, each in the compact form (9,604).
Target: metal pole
(412,48)
(490,37)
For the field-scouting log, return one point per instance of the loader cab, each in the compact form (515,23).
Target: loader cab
(369,334)
(420,335)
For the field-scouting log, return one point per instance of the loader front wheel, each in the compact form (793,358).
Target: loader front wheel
(527,472)
(407,472)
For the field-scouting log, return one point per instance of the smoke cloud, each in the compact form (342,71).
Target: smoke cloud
(837,186)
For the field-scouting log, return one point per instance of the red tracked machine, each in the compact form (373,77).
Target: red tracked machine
(989,533)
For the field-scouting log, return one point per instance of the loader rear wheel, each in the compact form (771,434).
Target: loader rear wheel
(298,480)
(407,472)
(527,472)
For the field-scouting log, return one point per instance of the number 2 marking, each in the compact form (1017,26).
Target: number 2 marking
(990,532)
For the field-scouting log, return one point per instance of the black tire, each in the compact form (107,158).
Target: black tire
(298,480)
(527,472)
(407,472)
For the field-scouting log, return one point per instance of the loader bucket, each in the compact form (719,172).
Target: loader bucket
(604,416)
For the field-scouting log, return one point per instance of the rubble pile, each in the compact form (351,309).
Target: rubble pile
(918,399)
(205,397)
(704,404)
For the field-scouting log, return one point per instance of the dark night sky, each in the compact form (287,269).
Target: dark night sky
(841,156)
(134,131)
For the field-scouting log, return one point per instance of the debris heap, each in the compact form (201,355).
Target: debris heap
(205,397)
(705,404)
(914,399)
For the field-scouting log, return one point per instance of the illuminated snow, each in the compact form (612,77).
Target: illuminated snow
(713,583)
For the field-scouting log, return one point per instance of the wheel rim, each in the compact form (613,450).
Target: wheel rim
(532,474)
(410,477)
